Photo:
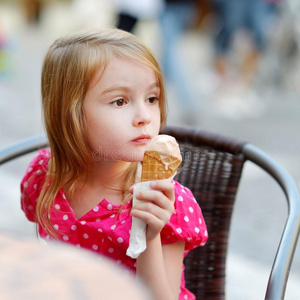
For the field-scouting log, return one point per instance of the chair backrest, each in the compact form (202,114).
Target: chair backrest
(211,169)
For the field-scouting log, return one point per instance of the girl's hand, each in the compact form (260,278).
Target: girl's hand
(156,206)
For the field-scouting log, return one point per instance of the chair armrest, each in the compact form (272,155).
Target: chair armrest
(285,252)
(22,147)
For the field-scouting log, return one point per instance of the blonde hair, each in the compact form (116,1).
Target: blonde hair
(69,67)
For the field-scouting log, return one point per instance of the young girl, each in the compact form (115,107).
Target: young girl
(103,101)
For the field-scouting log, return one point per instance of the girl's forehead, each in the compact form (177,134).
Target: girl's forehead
(122,63)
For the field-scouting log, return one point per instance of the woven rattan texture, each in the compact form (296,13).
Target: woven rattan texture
(211,169)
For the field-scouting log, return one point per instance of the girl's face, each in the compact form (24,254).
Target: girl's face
(122,111)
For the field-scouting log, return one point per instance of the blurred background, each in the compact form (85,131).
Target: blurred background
(231,66)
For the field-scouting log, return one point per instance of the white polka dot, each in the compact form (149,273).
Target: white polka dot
(66,238)
(95,247)
(179,230)
(180,198)
(57,206)
(120,240)
(123,222)
(35,186)
(189,239)
(38,172)
(65,217)
(56,226)
(197,229)
(186,218)
(200,221)
(83,222)
(64,196)
(109,206)
(30,207)
(73,227)
(111,250)
(205,233)
(113,227)
(109,238)
(183,190)
(195,200)
(96,208)
(100,230)
(98,220)
(191,209)
(86,236)
(29,170)
(112,216)
(185,296)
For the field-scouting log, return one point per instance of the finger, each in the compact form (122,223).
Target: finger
(157,198)
(154,223)
(165,186)
(131,189)
(155,210)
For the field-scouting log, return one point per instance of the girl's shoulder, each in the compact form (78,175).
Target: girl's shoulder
(38,165)
(33,181)
(187,223)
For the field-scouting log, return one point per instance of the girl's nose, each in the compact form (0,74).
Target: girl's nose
(141,115)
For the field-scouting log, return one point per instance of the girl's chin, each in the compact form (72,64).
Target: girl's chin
(133,156)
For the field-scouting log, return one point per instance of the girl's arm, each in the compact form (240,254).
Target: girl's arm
(159,266)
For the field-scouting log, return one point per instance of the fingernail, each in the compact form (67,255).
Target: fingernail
(153,183)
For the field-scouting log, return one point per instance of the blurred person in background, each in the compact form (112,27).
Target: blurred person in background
(176,17)
(234,16)
(33,10)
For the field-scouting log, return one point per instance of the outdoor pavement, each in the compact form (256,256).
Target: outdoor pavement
(267,116)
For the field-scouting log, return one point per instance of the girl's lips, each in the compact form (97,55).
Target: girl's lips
(142,140)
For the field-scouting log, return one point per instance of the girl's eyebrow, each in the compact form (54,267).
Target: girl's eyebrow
(126,88)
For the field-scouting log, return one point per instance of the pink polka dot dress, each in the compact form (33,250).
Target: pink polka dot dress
(105,229)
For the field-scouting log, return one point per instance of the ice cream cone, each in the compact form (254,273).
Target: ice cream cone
(158,166)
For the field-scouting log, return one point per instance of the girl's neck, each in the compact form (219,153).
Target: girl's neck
(104,182)
(105,174)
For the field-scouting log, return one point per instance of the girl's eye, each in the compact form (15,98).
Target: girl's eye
(119,102)
(152,100)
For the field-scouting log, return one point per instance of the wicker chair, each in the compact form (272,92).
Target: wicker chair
(212,167)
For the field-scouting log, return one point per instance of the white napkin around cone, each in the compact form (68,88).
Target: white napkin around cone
(137,241)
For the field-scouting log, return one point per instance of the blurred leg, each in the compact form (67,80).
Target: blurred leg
(173,21)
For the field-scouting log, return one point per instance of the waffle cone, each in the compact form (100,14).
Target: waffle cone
(158,166)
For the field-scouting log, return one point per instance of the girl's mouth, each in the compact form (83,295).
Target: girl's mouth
(142,139)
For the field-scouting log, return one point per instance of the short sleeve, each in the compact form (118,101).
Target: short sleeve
(187,223)
(32,183)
